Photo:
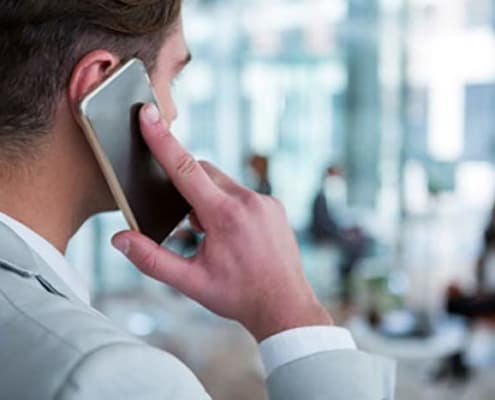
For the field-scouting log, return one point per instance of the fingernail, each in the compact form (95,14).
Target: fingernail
(122,244)
(152,114)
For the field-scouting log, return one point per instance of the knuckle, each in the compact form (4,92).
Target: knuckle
(205,164)
(208,168)
(273,201)
(186,165)
(232,212)
(149,261)
(252,200)
(278,204)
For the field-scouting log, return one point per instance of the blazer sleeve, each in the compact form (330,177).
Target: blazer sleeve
(334,375)
(131,372)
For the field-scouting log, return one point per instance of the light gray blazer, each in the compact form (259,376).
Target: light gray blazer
(53,346)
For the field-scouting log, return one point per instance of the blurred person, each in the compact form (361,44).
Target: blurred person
(54,345)
(331,222)
(260,167)
(485,267)
(475,307)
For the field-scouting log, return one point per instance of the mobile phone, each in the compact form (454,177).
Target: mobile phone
(110,119)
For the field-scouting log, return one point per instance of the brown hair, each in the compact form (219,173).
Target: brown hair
(41,41)
(260,165)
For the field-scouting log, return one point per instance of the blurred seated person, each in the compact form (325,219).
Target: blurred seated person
(331,222)
(260,168)
(477,306)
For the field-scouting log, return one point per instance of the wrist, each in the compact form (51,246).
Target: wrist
(285,317)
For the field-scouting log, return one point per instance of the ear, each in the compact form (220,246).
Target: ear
(91,70)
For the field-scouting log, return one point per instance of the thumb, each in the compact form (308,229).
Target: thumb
(159,263)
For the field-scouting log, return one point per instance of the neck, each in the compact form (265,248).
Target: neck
(47,190)
(38,200)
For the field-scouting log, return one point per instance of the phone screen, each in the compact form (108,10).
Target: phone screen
(111,113)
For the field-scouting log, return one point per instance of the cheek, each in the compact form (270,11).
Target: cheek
(163,92)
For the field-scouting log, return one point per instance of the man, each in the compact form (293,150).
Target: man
(330,222)
(474,307)
(53,345)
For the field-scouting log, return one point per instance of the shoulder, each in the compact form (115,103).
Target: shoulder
(33,315)
(130,371)
(69,351)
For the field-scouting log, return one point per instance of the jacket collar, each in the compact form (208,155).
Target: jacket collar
(17,257)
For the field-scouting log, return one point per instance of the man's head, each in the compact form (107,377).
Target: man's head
(335,170)
(52,53)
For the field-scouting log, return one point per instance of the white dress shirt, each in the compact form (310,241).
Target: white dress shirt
(276,351)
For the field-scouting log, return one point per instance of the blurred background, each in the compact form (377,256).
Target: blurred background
(374,122)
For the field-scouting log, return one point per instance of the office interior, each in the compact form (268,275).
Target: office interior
(400,96)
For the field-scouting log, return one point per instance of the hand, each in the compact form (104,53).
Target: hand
(248,266)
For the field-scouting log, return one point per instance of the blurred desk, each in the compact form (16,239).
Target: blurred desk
(449,337)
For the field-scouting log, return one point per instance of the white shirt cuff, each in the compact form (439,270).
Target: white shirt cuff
(294,344)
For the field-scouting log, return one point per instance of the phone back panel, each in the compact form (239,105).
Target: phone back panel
(112,113)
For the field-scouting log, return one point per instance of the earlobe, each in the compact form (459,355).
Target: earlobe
(93,69)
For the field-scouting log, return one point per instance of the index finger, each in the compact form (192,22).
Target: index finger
(184,171)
